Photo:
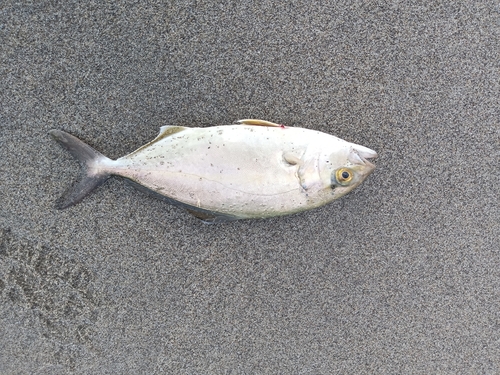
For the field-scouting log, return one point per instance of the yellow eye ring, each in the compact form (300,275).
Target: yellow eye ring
(344,175)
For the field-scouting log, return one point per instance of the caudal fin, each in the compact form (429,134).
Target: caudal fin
(93,168)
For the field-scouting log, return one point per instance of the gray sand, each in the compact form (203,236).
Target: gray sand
(402,276)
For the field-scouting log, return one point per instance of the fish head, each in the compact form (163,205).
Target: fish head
(349,166)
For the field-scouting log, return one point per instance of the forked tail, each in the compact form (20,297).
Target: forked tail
(93,168)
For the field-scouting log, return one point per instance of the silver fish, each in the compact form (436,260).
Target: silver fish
(253,169)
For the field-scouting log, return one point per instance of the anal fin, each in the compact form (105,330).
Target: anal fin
(203,216)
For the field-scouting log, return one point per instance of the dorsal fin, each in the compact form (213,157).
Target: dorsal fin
(168,130)
(250,121)
(165,131)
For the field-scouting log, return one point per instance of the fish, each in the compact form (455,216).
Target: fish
(252,169)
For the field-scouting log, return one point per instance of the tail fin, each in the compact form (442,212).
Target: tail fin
(92,167)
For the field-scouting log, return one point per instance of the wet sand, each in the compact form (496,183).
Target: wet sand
(400,276)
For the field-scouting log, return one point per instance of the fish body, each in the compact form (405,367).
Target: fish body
(254,169)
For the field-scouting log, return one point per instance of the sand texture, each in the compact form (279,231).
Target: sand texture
(402,276)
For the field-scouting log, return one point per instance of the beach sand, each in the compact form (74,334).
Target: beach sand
(402,276)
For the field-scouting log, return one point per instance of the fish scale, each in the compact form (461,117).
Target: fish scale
(253,169)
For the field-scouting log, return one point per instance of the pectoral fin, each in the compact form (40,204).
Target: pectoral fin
(308,175)
(258,123)
(307,171)
(291,158)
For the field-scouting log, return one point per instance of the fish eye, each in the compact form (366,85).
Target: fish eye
(344,175)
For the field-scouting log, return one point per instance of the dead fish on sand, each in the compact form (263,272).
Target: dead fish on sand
(253,169)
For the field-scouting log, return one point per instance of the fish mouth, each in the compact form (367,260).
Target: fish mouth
(361,154)
(365,152)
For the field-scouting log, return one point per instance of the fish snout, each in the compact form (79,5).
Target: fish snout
(365,152)
(359,156)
